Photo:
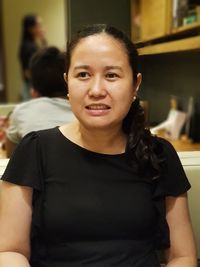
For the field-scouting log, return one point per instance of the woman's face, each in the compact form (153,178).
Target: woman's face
(38,29)
(100,82)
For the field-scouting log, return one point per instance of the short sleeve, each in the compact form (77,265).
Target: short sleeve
(12,131)
(25,166)
(173,181)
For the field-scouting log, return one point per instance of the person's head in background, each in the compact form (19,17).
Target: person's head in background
(32,28)
(120,45)
(47,67)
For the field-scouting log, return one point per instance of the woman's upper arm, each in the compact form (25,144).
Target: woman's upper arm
(181,235)
(15,218)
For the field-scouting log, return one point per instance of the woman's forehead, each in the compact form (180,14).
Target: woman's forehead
(99,43)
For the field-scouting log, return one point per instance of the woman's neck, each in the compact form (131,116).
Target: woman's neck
(106,141)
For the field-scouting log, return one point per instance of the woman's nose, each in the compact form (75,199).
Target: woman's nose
(97,87)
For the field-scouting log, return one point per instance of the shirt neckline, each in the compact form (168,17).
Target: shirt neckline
(85,149)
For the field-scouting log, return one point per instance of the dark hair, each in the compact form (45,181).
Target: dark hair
(28,22)
(47,67)
(141,149)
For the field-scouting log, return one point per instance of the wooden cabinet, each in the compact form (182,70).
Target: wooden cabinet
(155,18)
(152,28)
(150,19)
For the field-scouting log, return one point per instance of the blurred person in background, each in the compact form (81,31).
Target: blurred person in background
(49,106)
(32,39)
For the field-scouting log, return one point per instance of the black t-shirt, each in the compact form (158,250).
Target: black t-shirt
(91,209)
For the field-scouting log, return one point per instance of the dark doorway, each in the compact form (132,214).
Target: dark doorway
(83,12)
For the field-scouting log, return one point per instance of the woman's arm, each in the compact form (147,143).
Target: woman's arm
(8,259)
(182,252)
(15,222)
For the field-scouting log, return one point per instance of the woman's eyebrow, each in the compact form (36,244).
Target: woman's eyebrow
(81,67)
(106,68)
(113,67)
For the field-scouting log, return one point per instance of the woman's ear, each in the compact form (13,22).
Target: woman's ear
(65,77)
(139,80)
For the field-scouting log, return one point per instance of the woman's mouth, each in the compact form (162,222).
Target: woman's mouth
(97,109)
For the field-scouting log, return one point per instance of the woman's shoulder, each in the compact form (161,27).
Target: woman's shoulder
(40,133)
(165,150)
(163,144)
(173,181)
(46,132)
(40,137)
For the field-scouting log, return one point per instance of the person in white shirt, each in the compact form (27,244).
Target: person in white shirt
(49,107)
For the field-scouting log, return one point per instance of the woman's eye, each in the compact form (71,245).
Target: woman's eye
(111,75)
(83,75)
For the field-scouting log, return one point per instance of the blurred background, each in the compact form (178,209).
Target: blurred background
(53,14)
(166,32)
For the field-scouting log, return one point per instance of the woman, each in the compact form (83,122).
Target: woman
(101,191)
(33,38)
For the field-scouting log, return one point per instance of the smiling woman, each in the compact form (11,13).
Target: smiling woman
(101,191)
(103,85)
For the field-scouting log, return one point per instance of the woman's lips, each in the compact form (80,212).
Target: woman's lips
(97,106)
(97,109)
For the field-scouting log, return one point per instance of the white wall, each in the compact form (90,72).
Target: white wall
(53,15)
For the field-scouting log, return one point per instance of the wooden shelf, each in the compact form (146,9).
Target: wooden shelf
(152,27)
(185,44)
(176,34)
(187,27)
